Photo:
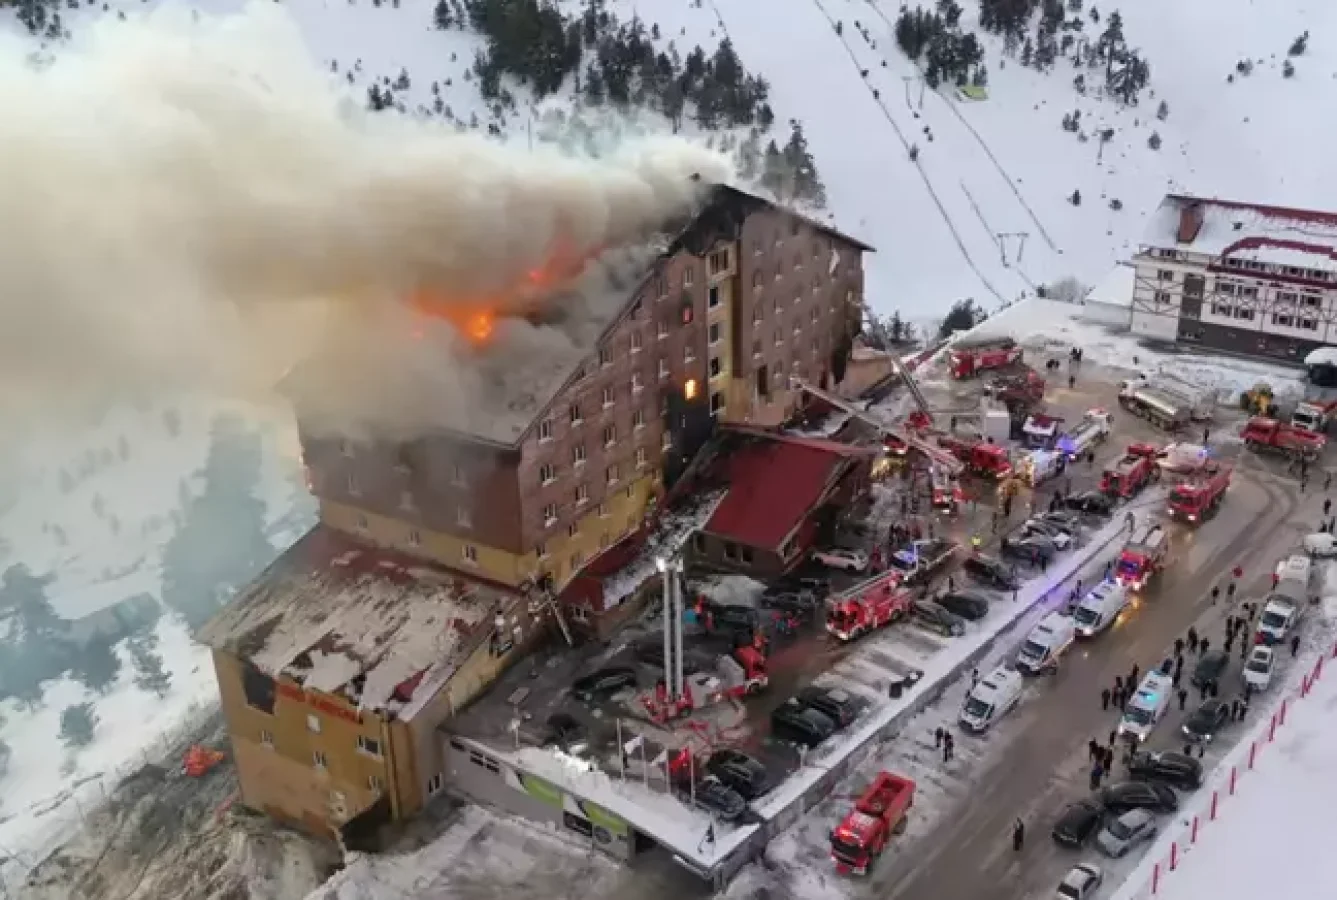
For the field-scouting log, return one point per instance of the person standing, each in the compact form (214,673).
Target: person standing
(1183,698)
(1105,696)
(1018,836)
(1295,645)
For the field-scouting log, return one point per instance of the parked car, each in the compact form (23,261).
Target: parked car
(603,684)
(1091,503)
(1028,548)
(839,706)
(800,603)
(732,618)
(716,797)
(1204,722)
(1125,832)
(846,560)
(739,772)
(1279,617)
(799,724)
(1149,795)
(1070,522)
(1077,823)
(991,571)
(1177,769)
(968,604)
(1061,538)
(1258,668)
(1081,882)
(1321,544)
(1208,670)
(936,618)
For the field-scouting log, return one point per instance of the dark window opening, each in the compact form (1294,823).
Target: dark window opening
(259,689)
(764,381)
(578,824)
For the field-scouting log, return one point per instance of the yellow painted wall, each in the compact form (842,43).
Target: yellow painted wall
(722,315)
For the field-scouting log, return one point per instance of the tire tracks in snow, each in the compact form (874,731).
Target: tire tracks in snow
(928,184)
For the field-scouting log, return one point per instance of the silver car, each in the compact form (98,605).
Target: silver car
(1126,832)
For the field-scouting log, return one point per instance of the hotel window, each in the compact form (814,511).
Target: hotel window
(756,313)
(470,553)
(715,367)
(318,759)
(779,338)
(464,517)
(1221,309)
(406,501)
(636,384)
(267,738)
(719,262)
(602,510)
(688,276)
(1279,319)
(549,518)
(1249,292)
(689,353)
(374,783)
(458,477)
(714,333)
(578,454)
(610,435)
(576,559)
(662,328)
(313,723)
(369,746)
(1225,287)
(573,411)
(1165,275)
(582,494)
(713,298)
(361,522)
(611,474)
(415,537)
(1309,324)
(572,530)
(716,402)
(1312,301)
(640,457)
(661,287)
(668,439)
(545,430)
(798,260)
(547,473)
(541,550)
(638,419)
(635,342)
(1286,296)
(1162,297)
(756,347)
(1244,313)
(353,488)
(605,358)
(663,367)
(816,285)
(756,280)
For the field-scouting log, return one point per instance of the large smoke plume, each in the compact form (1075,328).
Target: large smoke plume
(195,203)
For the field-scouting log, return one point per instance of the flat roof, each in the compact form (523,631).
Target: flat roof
(335,615)
(1274,234)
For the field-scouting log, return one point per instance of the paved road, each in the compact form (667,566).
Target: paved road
(969,854)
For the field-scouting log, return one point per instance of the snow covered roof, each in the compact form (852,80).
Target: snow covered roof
(1272,234)
(1322,356)
(1116,289)
(336,615)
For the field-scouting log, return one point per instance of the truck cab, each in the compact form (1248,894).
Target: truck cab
(1199,495)
(1040,431)
(1142,557)
(1094,428)
(879,813)
(868,606)
(1313,416)
(1130,472)
(969,358)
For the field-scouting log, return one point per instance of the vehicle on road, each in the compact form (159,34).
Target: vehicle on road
(839,706)
(1035,467)
(1077,823)
(1026,389)
(604,683)
(1294,574)
(1070,522)
(1093,503)
(991,571)
(799,724)
(1200,495)
(1143,557)
(968,359)
(1125,832)
(990,699)
(1131,472)
(1207,673)
(1264,435)
(868,606)
(1035,549)
(936,618)
(1093,429)
(739,772)
(715,797)
(1182,457)
(1204,722)
(801,603)
(1198,400)
(921,559)
(1081,883)
(1259,667)
(1099,609)
(1040,432)
(969,605)
(1314,415)
(879,813)
(1045,645)
(1175,769)
(840,558)
(983,458)
(1156,405)
(1129,795)
(1060,537)
(1278,618)
(1147,706)
(1321,544)
(730,619)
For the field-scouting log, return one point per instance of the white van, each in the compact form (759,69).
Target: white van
(1279,617)
(1046,643)
(1293,577)
(991,699)
(1100,608)
(1146,707)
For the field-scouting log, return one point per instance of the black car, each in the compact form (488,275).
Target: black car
(731,618)
(936,618)
(1205,721)
(603,684)
(837,705)
(803,584)
(715,796)
(1183,772)
(1091,503)
(562,730)
(1149,795)
(1208,670)
(1069,521)
(739,772)
(800,603)
(991,571)
(1077,823)
(1028,548)
(968,604)
(800,724)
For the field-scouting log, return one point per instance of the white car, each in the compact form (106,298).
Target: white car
(1081,882)
(1321,544)
(1278,618)
(849,560)
(1258,669)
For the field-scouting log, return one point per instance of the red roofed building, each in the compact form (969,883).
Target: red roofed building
(782,492)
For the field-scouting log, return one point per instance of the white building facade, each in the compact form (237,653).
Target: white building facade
(1255,280)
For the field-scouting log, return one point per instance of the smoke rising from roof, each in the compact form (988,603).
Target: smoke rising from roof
(195,203)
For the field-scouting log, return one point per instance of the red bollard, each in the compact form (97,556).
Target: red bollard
(1156,879)
(1272,729)
(1194,838)
(1233,773)
(1304,686)
(1174,856)
(1318,669)
(1253,753)
(1215,797)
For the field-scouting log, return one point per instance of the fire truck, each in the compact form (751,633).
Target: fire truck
(1040,431)
(1142,557)
(1262,434)
(879,813)
(947,493)
(1198,496)
(868,606)
(979,457)
(1315,416)
(1094,428)
(1131,472)
(1024,389)
(970,358)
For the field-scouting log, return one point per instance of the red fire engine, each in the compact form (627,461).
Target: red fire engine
(1198,496)
(973,357)
(1131,472)
(868,606)
(979,457)
(1025,389)
(1142,557)
(1262,434)
(878,814)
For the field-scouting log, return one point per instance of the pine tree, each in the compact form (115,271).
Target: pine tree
(96,665)
(23,599)
(150,675)
(77,725)
(442,16)
(963,316)
(807,184)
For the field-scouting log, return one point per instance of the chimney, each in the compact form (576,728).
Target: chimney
(1190,222)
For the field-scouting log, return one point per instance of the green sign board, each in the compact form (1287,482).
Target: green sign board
(541,790)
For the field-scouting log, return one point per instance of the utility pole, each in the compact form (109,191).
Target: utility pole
(1001,238)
